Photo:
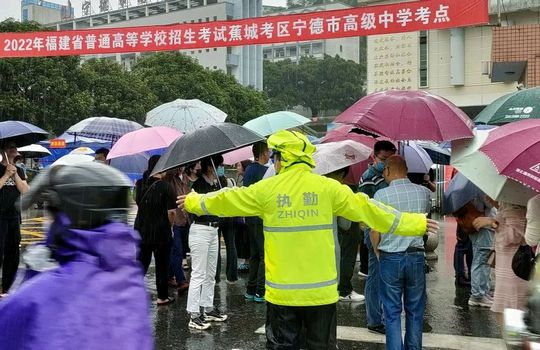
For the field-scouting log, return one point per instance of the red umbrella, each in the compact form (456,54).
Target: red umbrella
(408,115)
(515,150)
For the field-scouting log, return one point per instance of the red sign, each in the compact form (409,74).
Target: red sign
(58,143)
(357,21)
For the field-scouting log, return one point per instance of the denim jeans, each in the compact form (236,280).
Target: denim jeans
(463,255)
(403,276)
(373,301)
(175,265)
(480,272)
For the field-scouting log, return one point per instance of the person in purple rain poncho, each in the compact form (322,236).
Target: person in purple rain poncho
(94,297)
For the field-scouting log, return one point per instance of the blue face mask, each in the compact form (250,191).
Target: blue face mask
(220,171)
(379,167)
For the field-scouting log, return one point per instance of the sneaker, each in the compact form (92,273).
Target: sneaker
(215,316)
(249,297)
(480,302)
(361,274)
(243,267)
(258,298)
(380,329)
(199,323)
(355,297)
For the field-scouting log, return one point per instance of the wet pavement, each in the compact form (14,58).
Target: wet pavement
(450,323)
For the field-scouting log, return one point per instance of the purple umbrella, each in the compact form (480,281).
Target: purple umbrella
(408,115)
(514,149)
(21,133)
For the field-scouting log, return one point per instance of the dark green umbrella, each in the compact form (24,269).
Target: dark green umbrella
(523,104)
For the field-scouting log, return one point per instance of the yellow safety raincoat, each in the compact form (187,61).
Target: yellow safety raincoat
(298,209)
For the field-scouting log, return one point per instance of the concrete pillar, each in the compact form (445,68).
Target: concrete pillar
(146,12)
(74,25)
(108,18)
(457,56)
(167,7)
(127,15)
(188,4)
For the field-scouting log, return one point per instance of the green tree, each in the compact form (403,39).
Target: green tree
(115,92)
(328,84)
(172,75)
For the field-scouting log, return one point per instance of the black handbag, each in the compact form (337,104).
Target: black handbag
(523,262)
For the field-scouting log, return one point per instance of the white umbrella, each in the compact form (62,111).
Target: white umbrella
(185,115)
(34,151)
(83,150)
(418,160)
(479,169)
(333,156)
(72,159)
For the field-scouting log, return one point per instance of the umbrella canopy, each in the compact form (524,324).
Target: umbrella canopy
(519,105)
(514,149)
(185,115)
(438,154)
(72,159)
(21,133)
(273,122)
(238,155)
(460,192)
(132,164)
(418,160)
(204,142)
(479,169)
(333,156)
(408,115)
(34,151)
(103,128)
(83,150)
(143,140)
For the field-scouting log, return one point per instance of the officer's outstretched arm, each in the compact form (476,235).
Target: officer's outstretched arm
(228,202)
(382,218)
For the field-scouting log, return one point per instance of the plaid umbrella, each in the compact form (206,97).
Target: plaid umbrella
(103,128)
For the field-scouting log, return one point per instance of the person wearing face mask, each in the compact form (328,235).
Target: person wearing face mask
(204,245)
(373,181)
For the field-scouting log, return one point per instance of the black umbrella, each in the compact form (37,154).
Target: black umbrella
(204,142)
(20,133)
(460,192)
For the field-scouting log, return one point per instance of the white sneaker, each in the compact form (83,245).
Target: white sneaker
(353,297)
(480,302)
(361,274)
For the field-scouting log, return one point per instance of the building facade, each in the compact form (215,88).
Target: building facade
(346,48)
(244,63)
(45,12)
(465,65)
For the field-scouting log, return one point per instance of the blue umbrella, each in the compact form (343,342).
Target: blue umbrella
(270,123)
(21,133)
(460,192)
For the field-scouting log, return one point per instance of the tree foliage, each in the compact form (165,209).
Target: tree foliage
(57,92)
(172,75)
(328,84)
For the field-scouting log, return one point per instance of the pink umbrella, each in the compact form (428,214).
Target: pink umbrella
(408,115)
(143,140)
(237,155)
(514,149)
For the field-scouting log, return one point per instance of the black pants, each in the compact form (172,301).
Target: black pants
(255,283)
(231,265)
(10,238)
(364,254)
(162,253)
(348,242)
(284,324)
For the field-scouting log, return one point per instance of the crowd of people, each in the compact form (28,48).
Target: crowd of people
(184,214)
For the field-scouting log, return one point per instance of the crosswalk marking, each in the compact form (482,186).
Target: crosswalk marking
(432,340)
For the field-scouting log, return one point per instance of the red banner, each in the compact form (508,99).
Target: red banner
(358,21)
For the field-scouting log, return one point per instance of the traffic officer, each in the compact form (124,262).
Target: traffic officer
(299,210)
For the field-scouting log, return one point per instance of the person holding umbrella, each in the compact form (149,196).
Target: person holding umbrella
(298,209)
(12,185)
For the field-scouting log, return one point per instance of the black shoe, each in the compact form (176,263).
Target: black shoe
(462,281)
(199,323)
(377,329)
(215,316)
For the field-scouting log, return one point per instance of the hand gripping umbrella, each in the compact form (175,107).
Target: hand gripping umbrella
(204,142)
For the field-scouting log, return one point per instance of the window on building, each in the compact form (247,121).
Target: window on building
(279,52)
(24,15)
(207,50)
(200,20)
(267,54)
(215,18)
(317,48)
(215,48)
(229,50)
(340,48)
(215,67)
(207,19)
(304,50)
(423,62)
(291,51)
